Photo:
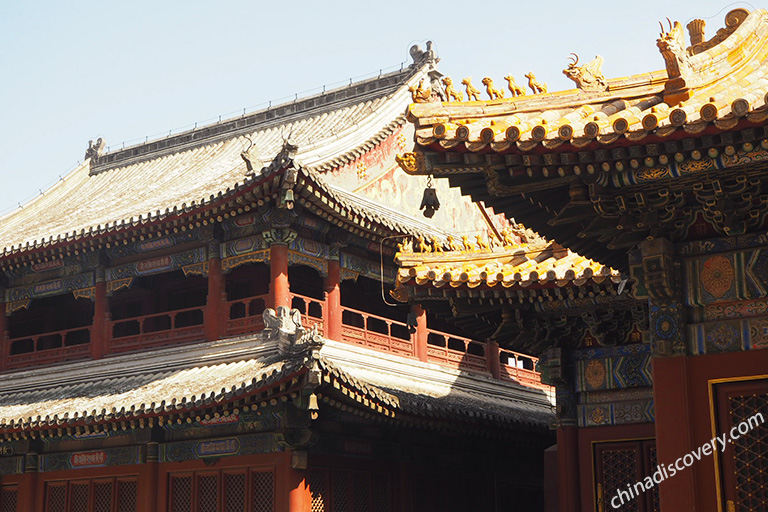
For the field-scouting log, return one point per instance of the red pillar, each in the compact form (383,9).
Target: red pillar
(333,301)
(278,270)
(299,496)
(420,337)
(100,328)
(215,324)
(27,490)
(568,468)
(148,480)
(673,429)
(4,348)
(493,359)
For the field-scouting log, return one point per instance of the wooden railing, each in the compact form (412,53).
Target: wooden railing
(66,345)
(312,310)
(246,315)
(520,368)
(376,332)
(146,331)
(451,350)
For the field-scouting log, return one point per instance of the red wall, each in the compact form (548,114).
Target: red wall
(684,419)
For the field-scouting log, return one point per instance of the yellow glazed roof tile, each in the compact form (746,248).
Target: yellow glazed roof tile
(719,82)
(510,265)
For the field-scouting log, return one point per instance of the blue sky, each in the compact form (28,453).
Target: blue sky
(78,70)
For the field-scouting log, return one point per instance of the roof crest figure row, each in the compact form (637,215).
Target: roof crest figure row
(716,82)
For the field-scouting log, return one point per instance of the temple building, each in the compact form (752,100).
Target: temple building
(643,286)
(204,323)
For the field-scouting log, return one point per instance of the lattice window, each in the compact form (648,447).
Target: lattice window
(102,497)
(263,491)
(234,492)
(126,496)
(362,492)
(340,485)
(78,497)
(56,498)
(382,493)
(8,499)
(181,494)
(207,493)
(654,462)
(620,469)
(750,452)
(318,489)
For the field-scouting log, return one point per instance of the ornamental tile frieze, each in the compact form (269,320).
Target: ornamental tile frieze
(156,265)
(729,277)
(222,447)
(124,456)
(49,288)
(47,270)
(626,371)
(729,335)
(353,266)
(149,244)
(616,413)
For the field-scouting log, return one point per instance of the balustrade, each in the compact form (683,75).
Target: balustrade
(520,368)
(311,310)
(48,348)
(246,315)
(451,350)
(376,332)
(146,331)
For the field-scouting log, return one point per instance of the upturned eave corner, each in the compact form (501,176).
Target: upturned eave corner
(411,162)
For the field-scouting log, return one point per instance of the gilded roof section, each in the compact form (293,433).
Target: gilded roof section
(498,264)
(721,84)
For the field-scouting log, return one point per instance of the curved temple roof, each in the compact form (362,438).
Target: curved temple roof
(720,83)
(180,174)
(188,380)
(507,264)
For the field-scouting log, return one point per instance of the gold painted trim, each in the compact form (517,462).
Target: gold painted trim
(713,424)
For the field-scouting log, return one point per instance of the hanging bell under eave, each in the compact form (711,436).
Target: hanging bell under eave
(429,202)
(312,406)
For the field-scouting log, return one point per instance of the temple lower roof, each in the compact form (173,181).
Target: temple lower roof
(203,377)
(506,265)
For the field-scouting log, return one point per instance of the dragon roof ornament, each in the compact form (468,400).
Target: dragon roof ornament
(588,77)
(285,326)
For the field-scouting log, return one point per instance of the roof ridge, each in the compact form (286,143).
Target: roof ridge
(266,118)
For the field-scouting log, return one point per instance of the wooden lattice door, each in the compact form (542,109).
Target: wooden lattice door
(231,490)
(742,415)
(618,467)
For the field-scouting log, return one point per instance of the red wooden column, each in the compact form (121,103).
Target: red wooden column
(671,401)
(493,359)
(5,349)
(215,324)
(420,337)
(28,492)
(333,301)
(278,271)
(148,480)
(299,496)
(100,328)
(568,468)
